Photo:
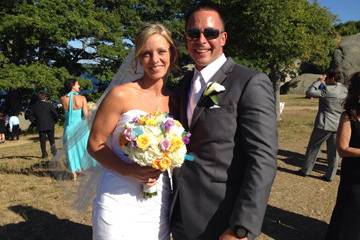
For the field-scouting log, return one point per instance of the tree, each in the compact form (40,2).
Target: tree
(348,28)
(70,37)
(36,35)
(273,34)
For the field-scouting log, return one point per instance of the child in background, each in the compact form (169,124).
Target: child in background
(14,127)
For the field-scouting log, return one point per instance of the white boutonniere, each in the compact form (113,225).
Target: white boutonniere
(212,90)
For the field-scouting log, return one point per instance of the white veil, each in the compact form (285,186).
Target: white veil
(129,71)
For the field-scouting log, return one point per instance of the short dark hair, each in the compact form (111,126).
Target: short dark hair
(69,84)
(203,5)
(334,74)
(351,103)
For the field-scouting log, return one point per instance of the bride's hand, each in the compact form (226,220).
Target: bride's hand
(147,175)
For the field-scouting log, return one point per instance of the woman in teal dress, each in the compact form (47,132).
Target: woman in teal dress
(76,130)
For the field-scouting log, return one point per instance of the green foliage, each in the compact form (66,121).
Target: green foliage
(273,34)
(33,76)
(39,31)
(35,34)
(348,28)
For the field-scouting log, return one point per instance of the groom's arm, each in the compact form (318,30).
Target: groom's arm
(258,139)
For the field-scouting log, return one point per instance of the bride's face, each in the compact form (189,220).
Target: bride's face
(155,57)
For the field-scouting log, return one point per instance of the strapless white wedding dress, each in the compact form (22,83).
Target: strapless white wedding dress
(119,209)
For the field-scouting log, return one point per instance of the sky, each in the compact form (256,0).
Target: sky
(346,10)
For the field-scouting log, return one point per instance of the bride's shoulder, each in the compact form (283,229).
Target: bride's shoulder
(123,90)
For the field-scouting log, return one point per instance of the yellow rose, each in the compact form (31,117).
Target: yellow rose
(162,164)
(150,122)
(143,141)
(176,143)
(142,120)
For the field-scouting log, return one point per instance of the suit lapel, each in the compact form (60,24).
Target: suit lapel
(219,77)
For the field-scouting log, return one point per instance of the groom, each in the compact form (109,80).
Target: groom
(223,192)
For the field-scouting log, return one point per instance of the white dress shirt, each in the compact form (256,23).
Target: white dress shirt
(13,121)
(199,83)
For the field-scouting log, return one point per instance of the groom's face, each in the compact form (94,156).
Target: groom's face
(203,44)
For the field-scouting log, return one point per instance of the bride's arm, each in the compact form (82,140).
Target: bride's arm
(104,124)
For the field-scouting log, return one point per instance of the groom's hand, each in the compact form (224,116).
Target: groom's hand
(230,235)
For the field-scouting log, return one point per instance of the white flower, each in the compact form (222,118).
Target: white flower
(213,87)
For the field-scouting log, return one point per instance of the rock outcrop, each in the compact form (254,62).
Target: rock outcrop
(300,84)
(347,56)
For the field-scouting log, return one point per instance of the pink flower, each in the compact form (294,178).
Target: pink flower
(165,145)
(168,124)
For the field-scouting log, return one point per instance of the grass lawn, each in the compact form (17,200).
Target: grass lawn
(34,205)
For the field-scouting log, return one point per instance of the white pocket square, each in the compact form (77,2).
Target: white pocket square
(214,106)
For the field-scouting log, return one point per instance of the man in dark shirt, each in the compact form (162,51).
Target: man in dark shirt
(45,116)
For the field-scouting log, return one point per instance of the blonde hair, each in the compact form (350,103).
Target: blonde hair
(146,32)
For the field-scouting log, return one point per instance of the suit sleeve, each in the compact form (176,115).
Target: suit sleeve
(258,138)
(54,113)
(314,90)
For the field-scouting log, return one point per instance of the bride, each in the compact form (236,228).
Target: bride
(119,209)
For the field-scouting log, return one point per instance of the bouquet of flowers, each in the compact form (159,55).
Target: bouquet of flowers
(155,140)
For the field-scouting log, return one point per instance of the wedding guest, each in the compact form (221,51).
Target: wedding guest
(45,116)
(345,219)
(230,113)
(119,209)
(76,111)
(331,93)
(2,126)
(14,126)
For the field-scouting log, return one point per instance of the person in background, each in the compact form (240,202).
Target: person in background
(331,94)
(2,126)
(345,219)
(45,116)
(14,126)
(76,111)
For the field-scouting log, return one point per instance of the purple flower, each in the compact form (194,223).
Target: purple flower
(165,145)
(129,135)
(168,124)
(186,138)
(135,119)
(133,144)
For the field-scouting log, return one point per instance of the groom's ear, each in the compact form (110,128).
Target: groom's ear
(223,38)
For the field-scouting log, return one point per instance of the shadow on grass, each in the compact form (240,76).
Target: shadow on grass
(21,157)
(41,225)
(297,159)
(283,225)
(39,169)
(36,138)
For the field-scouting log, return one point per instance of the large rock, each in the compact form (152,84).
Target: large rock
(347,56)
(300,84)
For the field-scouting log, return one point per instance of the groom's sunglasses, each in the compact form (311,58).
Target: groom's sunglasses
(209,33)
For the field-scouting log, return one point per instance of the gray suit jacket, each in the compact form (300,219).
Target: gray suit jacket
(235,149)
(330,104)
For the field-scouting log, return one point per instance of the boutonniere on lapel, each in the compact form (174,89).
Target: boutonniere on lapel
(212,90)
